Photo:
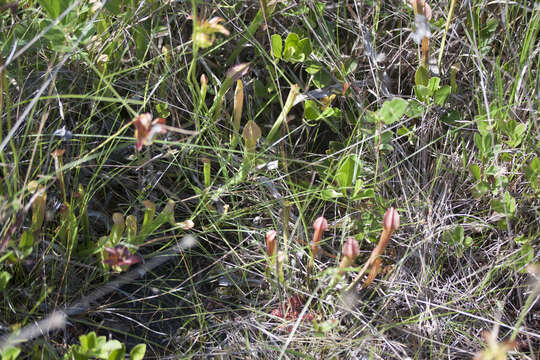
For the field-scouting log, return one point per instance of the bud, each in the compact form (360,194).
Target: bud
(391,220)
(166,52)
(271,243)
(238,104)
(251,133)
(319,225)
(101,61)
(204,81)
(38,206)
(351,249)
(57,155)
(237,71)
(204,87)
(186,224)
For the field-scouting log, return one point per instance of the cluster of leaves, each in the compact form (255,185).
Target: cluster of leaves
(114,248)
(91,347)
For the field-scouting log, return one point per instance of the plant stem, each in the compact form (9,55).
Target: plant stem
(446,26)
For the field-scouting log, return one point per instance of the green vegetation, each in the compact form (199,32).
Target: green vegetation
(269,179)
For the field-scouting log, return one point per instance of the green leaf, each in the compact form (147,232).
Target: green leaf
(291,47)
(162,110)
(114,6)
(535,165)
(422,92)
(475,171)
(311,110)
(433,84)
(296,49)
(88,341)
(329,194)
(312,69)
(55,8)
(4,279)
(489,148)
(111,345)
(522,240)
(516,136)
(113,350)
(325,327)
(117,354)
(421,77)
(386,137)
(345,172)
(386,147)
(483,125)
(329,112)
(415,109)
(520,130)
(409,133)
(442,94)
(455,236)
(505,206)
(403,131)
(458,234)
(322,79)
(277,46)
(456,239)
(391,111)
(260,89)
(56,36)
(484,144)
(361,194)
(141,41)
(10,353)
(350,66)
(137,353)
(451,117)
(304,46)
(510,203)
(525,256)
(51,7)
(480,189)
(26,243)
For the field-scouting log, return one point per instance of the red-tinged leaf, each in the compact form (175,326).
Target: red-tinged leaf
(120,256)
(292,307)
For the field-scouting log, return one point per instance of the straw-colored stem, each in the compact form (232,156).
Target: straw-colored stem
(446,27)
